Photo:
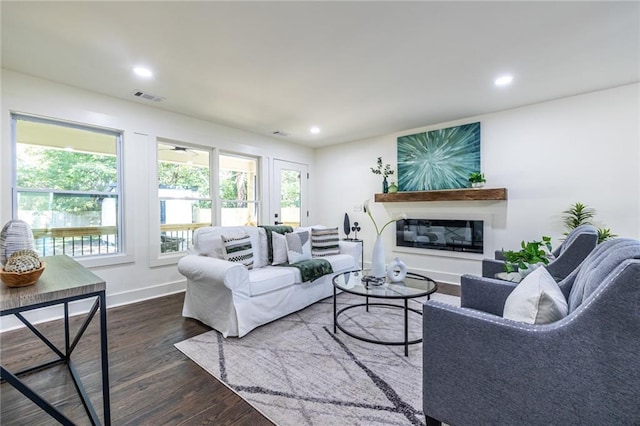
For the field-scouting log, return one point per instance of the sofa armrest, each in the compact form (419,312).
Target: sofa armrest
(213,271)
(352,248)
(484,294)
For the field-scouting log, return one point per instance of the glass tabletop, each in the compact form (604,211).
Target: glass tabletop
(413,285)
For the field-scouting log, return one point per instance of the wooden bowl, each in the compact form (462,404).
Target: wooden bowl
(16,279)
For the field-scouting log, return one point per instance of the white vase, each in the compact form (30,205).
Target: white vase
(377,259)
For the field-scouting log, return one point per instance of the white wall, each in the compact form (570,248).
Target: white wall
(584,148)
(136,279)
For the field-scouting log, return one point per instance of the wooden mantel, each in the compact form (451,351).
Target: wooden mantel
(464,194)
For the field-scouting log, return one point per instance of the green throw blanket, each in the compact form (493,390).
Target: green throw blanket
(312,269)
(280,229)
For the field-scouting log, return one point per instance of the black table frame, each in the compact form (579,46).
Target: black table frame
(65,357)
(406,342)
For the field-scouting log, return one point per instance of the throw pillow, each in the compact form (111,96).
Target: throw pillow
(238,249)
(324,242)
(298,246)
(536,300)
(279,248)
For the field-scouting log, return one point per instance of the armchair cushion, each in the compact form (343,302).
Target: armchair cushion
(597,267)
(536,300)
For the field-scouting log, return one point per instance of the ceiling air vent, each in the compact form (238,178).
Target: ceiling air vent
(279,133)
(147,96)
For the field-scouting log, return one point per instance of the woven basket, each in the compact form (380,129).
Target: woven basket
(16,279)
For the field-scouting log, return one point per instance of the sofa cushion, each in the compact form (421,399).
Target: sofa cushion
(324,242)
(341,262)
(238,249)
(536,300)
(298,246)
(271,278)
(207,241)
(279,249)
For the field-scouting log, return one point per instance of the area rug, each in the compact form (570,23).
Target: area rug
(296,371)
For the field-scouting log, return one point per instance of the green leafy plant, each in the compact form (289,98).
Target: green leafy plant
(382,170)
(531,253)
(579,214)
(605,234)
(477,177)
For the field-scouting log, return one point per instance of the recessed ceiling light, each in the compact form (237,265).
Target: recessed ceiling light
(143,72)
(503,80)
(315,130)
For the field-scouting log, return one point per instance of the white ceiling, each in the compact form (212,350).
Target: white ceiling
(356,69)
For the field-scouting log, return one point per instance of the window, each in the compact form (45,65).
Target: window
(238,190)
(184,191)
(67,186)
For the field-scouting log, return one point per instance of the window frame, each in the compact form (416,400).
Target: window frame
(105,259)
(157,258)
(258,202)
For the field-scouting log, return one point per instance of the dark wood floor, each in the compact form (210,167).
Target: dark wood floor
(152,383)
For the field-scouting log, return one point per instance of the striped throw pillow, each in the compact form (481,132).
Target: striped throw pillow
(238,249)
(324,242)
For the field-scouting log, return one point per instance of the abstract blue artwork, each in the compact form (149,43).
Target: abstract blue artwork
(438,159)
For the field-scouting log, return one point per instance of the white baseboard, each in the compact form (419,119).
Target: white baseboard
(437,276)
(51,313)
(142,294)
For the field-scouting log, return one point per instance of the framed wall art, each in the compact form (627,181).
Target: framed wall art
(438,159)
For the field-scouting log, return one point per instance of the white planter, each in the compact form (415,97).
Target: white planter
(377,259)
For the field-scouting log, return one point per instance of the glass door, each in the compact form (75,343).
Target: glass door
(289,196)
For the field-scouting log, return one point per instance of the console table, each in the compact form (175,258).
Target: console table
(64,280)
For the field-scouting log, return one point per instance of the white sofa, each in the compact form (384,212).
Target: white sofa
(233,299)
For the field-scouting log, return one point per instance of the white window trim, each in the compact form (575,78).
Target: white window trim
(157,259)
(125,255)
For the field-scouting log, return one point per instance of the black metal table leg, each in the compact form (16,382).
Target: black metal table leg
(104,346)
(334,310)
(406,328)
(37,399)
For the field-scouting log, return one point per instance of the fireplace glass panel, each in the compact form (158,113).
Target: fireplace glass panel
(451,235)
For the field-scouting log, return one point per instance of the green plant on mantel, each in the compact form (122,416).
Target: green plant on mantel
(579,214)
(476,177)
(531,253)
(385,170)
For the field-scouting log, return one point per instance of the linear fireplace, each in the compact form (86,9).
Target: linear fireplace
(450,235)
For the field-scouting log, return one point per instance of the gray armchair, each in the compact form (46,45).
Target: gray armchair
(568,255)
(482,369)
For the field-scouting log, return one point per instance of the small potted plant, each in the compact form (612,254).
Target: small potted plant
(477,180)
(385,171)
(532,253)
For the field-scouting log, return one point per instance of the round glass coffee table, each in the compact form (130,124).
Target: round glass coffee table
(412,286)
